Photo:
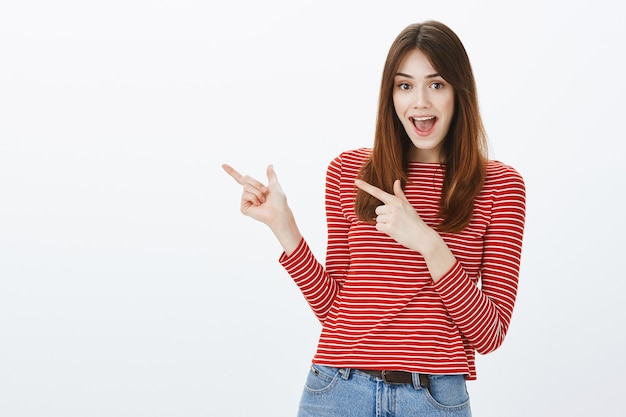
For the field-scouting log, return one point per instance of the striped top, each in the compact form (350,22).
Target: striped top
(377,303)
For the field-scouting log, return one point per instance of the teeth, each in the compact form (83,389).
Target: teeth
(421,119)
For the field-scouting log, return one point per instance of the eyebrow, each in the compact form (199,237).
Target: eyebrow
(401,74)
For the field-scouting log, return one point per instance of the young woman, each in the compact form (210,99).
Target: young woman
(424,244)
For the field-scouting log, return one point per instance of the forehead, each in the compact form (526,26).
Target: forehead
(416,64)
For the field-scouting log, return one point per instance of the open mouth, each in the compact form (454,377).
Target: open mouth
(423,124)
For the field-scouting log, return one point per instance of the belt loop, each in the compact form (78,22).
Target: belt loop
(345,373)
(416,381)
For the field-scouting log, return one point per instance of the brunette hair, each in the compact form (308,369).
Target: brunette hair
(464,147)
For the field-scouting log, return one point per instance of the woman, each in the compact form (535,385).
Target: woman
(424,244)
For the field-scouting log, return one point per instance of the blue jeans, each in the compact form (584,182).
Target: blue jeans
(344,392)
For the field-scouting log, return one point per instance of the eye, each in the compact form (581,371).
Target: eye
(437,85)
(404,86)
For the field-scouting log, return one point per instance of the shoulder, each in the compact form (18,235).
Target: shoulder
(503,180)
(501,173)
(350,160)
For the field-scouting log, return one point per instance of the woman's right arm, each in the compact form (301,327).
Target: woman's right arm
(321,285)
(268,204)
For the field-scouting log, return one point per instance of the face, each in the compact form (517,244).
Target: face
(424,103)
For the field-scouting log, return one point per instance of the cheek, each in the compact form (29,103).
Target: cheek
(451,106)
(397,105)
(446,108)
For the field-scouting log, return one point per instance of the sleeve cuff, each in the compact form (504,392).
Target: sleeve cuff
(454,286)
(451,279)
(297,255)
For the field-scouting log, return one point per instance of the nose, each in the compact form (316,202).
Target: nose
(420,98)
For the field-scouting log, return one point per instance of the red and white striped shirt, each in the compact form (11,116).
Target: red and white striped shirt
(377,303)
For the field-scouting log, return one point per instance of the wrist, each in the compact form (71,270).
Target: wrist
(286,231)
(438,256)
(427,242)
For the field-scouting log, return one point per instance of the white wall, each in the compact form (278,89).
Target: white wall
(130,284)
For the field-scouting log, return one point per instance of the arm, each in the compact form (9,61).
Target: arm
(320,286)
(481,314)
(268,205)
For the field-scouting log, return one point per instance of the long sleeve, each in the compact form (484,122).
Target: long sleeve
(375,298)
(320,285)
(483,313)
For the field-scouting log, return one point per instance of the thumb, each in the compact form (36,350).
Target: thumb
(397,190)
(271,175)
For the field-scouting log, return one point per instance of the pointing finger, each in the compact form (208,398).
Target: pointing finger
(233,173)
(245,180)
(374,191)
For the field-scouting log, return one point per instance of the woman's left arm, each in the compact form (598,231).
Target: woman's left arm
(483,313)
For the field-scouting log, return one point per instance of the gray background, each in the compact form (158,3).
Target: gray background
(130,284)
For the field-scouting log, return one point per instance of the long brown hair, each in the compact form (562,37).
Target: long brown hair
(465,146)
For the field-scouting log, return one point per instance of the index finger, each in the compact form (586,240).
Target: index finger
(233,173)
(374,191)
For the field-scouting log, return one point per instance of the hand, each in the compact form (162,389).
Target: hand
(397,218)
(268,204)
(261,202)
